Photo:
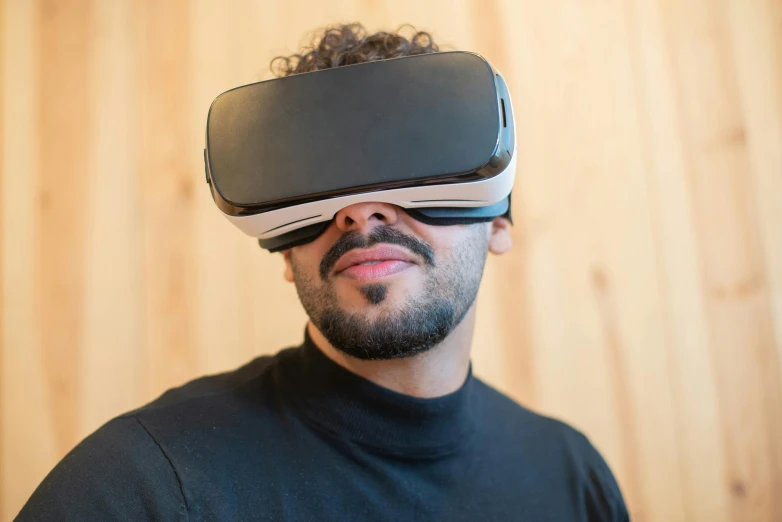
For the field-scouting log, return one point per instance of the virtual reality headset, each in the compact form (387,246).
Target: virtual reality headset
(432,133)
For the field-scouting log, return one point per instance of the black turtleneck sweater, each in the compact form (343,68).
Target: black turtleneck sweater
(295,436)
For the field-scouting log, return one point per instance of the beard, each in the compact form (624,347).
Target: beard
(423,320)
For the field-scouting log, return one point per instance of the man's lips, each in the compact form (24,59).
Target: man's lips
(373,263)
(378,271)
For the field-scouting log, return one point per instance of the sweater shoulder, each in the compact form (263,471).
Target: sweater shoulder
(560,446)
(119,472)
(500,406)
(529,426)
(213,387)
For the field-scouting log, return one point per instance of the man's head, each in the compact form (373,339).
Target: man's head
(378,283)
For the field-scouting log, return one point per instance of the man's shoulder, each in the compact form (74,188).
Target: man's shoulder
(520,419)
(221,401)
(530,427)
(133,462)
(226,386)
(552,444)
(134,435)
(117,473)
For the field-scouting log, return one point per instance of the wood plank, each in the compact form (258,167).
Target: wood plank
(684,325)
(167,192)
(29,442)
(3,73)
(734,279)
(756,34)
(114,363)
(64,121)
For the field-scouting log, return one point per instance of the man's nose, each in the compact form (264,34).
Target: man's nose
(365,216)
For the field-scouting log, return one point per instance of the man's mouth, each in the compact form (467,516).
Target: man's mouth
(374,263)
(375,270)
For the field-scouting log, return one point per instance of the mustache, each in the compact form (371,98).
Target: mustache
(382,234)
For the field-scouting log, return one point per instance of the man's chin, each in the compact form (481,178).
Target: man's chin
(385,294)
(359,308)
(401,326)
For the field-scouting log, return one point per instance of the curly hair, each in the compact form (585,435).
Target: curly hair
(349,44)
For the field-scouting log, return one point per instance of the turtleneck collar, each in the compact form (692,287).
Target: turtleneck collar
(349,406)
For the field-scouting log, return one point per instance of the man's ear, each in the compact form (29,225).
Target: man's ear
(288,274)
(500,240)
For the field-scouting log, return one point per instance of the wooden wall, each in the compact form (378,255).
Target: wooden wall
(642,301)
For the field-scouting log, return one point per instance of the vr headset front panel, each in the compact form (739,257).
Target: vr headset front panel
(434,134)
(374,126)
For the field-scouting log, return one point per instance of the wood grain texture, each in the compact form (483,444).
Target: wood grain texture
(64,133)
(113,255)
(167,192)
(714,132)
(3,71)
(642,301)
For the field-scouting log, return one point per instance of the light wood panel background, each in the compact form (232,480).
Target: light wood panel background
(642,301)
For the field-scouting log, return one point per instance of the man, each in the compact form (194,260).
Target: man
(376,416)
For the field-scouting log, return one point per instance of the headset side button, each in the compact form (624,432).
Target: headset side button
(206,169)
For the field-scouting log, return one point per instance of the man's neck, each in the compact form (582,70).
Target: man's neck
(436,372)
